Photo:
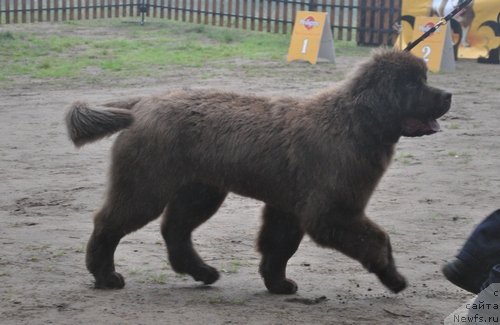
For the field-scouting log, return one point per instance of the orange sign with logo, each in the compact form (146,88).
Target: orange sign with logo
(437,49)
(475,30)
(311,38)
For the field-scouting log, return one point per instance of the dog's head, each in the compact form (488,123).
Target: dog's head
(392,86)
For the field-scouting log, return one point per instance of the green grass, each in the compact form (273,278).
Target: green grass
(233,267)
(158,278)
(6,36)
(225,301)
(406,159)
(113,49)
(461,157)
(454,126)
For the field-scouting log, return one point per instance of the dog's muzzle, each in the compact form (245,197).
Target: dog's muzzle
(417,127)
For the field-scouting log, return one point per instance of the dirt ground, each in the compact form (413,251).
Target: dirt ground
(436,190)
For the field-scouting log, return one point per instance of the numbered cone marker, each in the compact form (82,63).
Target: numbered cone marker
(312,38)
(437,49)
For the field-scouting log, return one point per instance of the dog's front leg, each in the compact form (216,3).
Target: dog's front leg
(364,241)
(279,239)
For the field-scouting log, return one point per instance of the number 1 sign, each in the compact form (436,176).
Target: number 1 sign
(311,38)
(437,49)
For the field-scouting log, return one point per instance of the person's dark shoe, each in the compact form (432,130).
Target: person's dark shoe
(463,276)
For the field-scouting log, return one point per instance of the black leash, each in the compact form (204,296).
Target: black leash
(460,6)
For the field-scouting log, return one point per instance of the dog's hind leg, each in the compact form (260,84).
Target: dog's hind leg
(279,239)
(190,207)
(364,241)
(126,209)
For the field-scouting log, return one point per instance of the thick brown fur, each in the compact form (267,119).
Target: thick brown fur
(314,162)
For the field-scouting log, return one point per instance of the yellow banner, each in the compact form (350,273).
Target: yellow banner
(476,30)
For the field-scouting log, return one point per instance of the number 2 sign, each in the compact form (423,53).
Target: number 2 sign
(437,49)
(311,38)
(426,50)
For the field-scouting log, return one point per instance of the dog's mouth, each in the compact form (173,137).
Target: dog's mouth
(436,103)
(413,127)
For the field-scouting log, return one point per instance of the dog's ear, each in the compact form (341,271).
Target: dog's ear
(372,79)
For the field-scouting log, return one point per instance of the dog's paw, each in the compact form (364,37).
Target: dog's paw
(283,287)
(393,280)
(113,280)
(206,274)
(397,285)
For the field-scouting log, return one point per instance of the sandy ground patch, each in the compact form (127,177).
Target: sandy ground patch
(435,191)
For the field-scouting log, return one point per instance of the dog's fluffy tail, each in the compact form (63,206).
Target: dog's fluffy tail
(126,103)
(87,125)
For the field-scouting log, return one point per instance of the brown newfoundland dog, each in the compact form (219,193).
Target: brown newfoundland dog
(313,161)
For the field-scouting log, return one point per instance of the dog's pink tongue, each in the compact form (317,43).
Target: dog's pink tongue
(413,127)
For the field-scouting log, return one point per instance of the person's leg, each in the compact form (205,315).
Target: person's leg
(480,253)
(493,278)
(482,248)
